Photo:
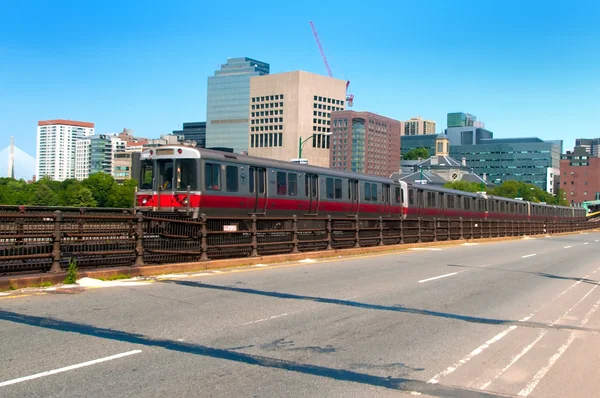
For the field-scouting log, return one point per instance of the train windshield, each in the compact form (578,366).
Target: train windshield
(146,175)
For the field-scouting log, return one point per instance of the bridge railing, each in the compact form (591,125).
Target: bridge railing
(45,240)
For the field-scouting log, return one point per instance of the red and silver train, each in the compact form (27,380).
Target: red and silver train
(196,181)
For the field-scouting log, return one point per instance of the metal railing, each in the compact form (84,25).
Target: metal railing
(34,240)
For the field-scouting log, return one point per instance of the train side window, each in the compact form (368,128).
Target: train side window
(367,192)
(374,192)
(292,184)
(251,173)
(431,199)
(398,195)
(329,188)
(411,197)
(212,176)
(511,208)
(306,185)
(231,178)
(281,183)
(147,175)
(261,180)
(338,188)
(450,201)
(314,185)
(467,204)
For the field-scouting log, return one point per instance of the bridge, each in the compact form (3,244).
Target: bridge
(516,317)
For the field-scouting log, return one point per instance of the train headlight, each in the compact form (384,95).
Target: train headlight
(144,201)
(186,201)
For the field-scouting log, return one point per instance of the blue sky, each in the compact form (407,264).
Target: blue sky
(526,68)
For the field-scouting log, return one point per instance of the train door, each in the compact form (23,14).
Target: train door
(257,180)
(353,197)
(311,186)
(386,200)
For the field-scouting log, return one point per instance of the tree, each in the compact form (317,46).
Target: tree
(463,186)
(415,154)
(121,195)
(43,195)
(82,197)
(100,184)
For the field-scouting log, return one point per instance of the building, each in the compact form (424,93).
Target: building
(193,131)
(438,169)
(410,142)
(591,145)
(364,142)
(530,160)
(56,147)
(417,126)
(287,109)
(227,107)
(130,140)
(124,165)
(580,176)
(461,119)
(95,154)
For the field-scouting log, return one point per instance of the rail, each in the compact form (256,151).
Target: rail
(46,239)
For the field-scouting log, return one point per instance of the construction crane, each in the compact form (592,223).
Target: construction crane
(349,97)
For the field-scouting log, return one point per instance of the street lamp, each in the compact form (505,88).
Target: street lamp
(303,142)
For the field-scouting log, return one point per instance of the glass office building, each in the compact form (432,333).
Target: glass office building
(193,131)
(461,119)
(228,103)
(530,160)
(410,142)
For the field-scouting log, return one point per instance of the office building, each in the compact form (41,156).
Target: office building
(95,154)
(82,158)
(124,165)
(293,107)
(410,142)
(364,142)
(227,107)
(530,160)
(461,119)
(591,145)
(580,176)
(418,126)
(55,147)
(194,131)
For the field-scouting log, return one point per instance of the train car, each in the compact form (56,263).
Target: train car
(180,179)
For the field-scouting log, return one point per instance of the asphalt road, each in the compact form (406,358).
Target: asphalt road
(476,320)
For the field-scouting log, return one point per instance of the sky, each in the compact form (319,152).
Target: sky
(525,68)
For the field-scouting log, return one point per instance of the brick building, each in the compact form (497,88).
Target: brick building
(580,176)
(364,142)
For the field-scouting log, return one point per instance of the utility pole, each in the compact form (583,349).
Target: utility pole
(11,158)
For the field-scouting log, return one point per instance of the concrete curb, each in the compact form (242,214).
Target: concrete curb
(35,280)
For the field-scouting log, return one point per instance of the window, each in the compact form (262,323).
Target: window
(261,180)
(450,201)
(292,184)
(281,183)
(231,178)
(398,196)
(329,188)
(212,176)
(165,169)
(338,188)
(466,204)
(411,197)
(146,175)
(367,192)
(251,180)
(186,174)
(374,192)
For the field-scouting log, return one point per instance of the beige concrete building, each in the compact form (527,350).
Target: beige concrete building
(287,107)
(418,126)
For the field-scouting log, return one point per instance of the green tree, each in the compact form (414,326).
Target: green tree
(100,184)
(43,195)
(463,186)
(81,197)
(415,154)
(122,195)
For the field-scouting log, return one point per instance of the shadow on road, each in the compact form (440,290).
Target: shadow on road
(394,308)
(401,384)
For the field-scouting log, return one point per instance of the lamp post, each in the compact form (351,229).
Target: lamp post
(300,143)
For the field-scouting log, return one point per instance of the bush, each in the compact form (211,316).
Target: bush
(71,272)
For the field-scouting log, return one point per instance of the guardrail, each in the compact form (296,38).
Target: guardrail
(42,240)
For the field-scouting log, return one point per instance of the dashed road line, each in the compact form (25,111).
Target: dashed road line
(439,277)
(567,247)
(529,255)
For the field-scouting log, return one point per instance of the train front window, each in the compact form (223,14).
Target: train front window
(146,175)
(186,174)
(165,175)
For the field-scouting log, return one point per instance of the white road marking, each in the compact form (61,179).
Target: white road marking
(307,260)
(567,247)
(261,265)
(586,243)
(529,255)
(435,379)
(67,368)
(271,318)
(470,244)
(438,277)
(596,240)
(425,248)
(530,346)
(484,265)
(543,371)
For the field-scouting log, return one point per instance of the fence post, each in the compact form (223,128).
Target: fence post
(254,241)
(139,240)
(461,236)
(356,232)
(56,240)
(328,232)
(419,230)
(434,230)
(295,234)
(203,238)
(380,231)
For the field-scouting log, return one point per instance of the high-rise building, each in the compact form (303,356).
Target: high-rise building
(56,147)
(591,145)
(418,126)
(410,142)
(461,119)
(95,154)
(364,142)
(580,176)
(194,131)
(293,107)
(227,103)
(530,160)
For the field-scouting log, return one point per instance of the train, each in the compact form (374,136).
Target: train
(195,181)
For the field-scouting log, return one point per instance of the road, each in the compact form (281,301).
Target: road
(471,320)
